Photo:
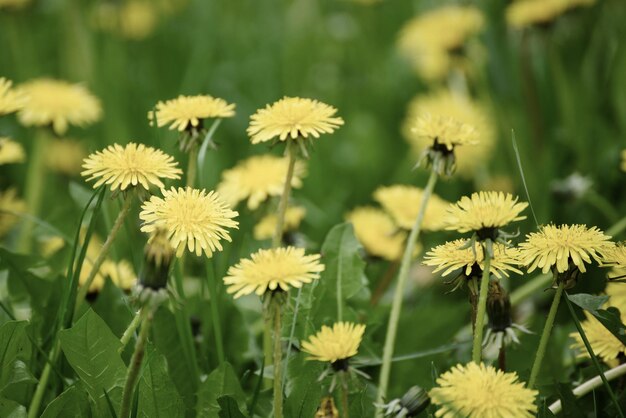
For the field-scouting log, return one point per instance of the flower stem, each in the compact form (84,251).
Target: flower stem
(42,385)
(278,393)
(343,375)
(545,336)
(128,334)
(396,307)
(135,363)
(215,312)
(284,198)
(35,180)
(477,347)
(192,165)
(104,251)
(590,385)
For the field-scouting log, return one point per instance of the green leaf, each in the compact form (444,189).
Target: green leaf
(18,386)
(112,307)
(221,382)
(166,340)
(588,302)
(73,402)
(11,409)
(568,400)
(229,408)
(14,345)
(610,318)
(158,397)
(303,390)
(91,349)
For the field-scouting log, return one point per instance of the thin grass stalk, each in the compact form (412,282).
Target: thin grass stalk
(276,307)
(35,404)
(35,181)
(396,307)
(104,251)
(481,309)
(215,311)
(591,385)
(135,363)
(545,336)
(594,358)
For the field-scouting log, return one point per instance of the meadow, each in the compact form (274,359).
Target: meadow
(312,208)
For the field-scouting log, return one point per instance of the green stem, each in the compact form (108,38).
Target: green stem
(192,165)
(35,404)
(284,198)
(594,358)
(477,347)
(135,364)
(215,312)
(130,331)
(35,182)
(545,336)
(590,385)
(278,393)
(396,307)
(343,375)
(267,342)
(104,251)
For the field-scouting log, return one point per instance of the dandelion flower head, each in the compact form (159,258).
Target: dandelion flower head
(479,391)
(58,104)
(484,210)
(524,13)
(193,219)
(10,204)
(455,255)
(11,100)
(377,232)
(445,131)
(448,106)
(65,156)
(186,112)
(293,117)
(430,39)
(615,257)
(267,225)
(403,203)
(275,269)
(130,165)
(10,151)
(137,19)
(334,344)
(258,178)
(558,246)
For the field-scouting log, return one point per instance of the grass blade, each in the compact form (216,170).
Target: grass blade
(521,171)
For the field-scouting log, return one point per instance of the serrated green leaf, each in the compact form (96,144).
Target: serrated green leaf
(303,390)
(72,403)
(588,302)
(158,397)
(91,349)
(610,317)
(229,408)
(221,382)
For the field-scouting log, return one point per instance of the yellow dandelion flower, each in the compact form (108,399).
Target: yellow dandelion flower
(623,166)
(186,112)
(192,218)
(377,232)
(58,104)
(452,256)
(267,225)
(605,345)
(10,204)
(403,204)
(10,151)
(445,131)
(258,178)
(65,156)
(444,104)
(558,246)
(479,391)
(429,40)
(159,249)
(524,13)
(121,274)
(279,268)
(137,19)
(334,344)
(484,210)
(615,257)
(617,296)
(293,117)
(131,165)
(10,100)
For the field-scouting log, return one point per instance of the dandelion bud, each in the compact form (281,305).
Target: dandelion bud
(158,255)
(498,307)
(412,403)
